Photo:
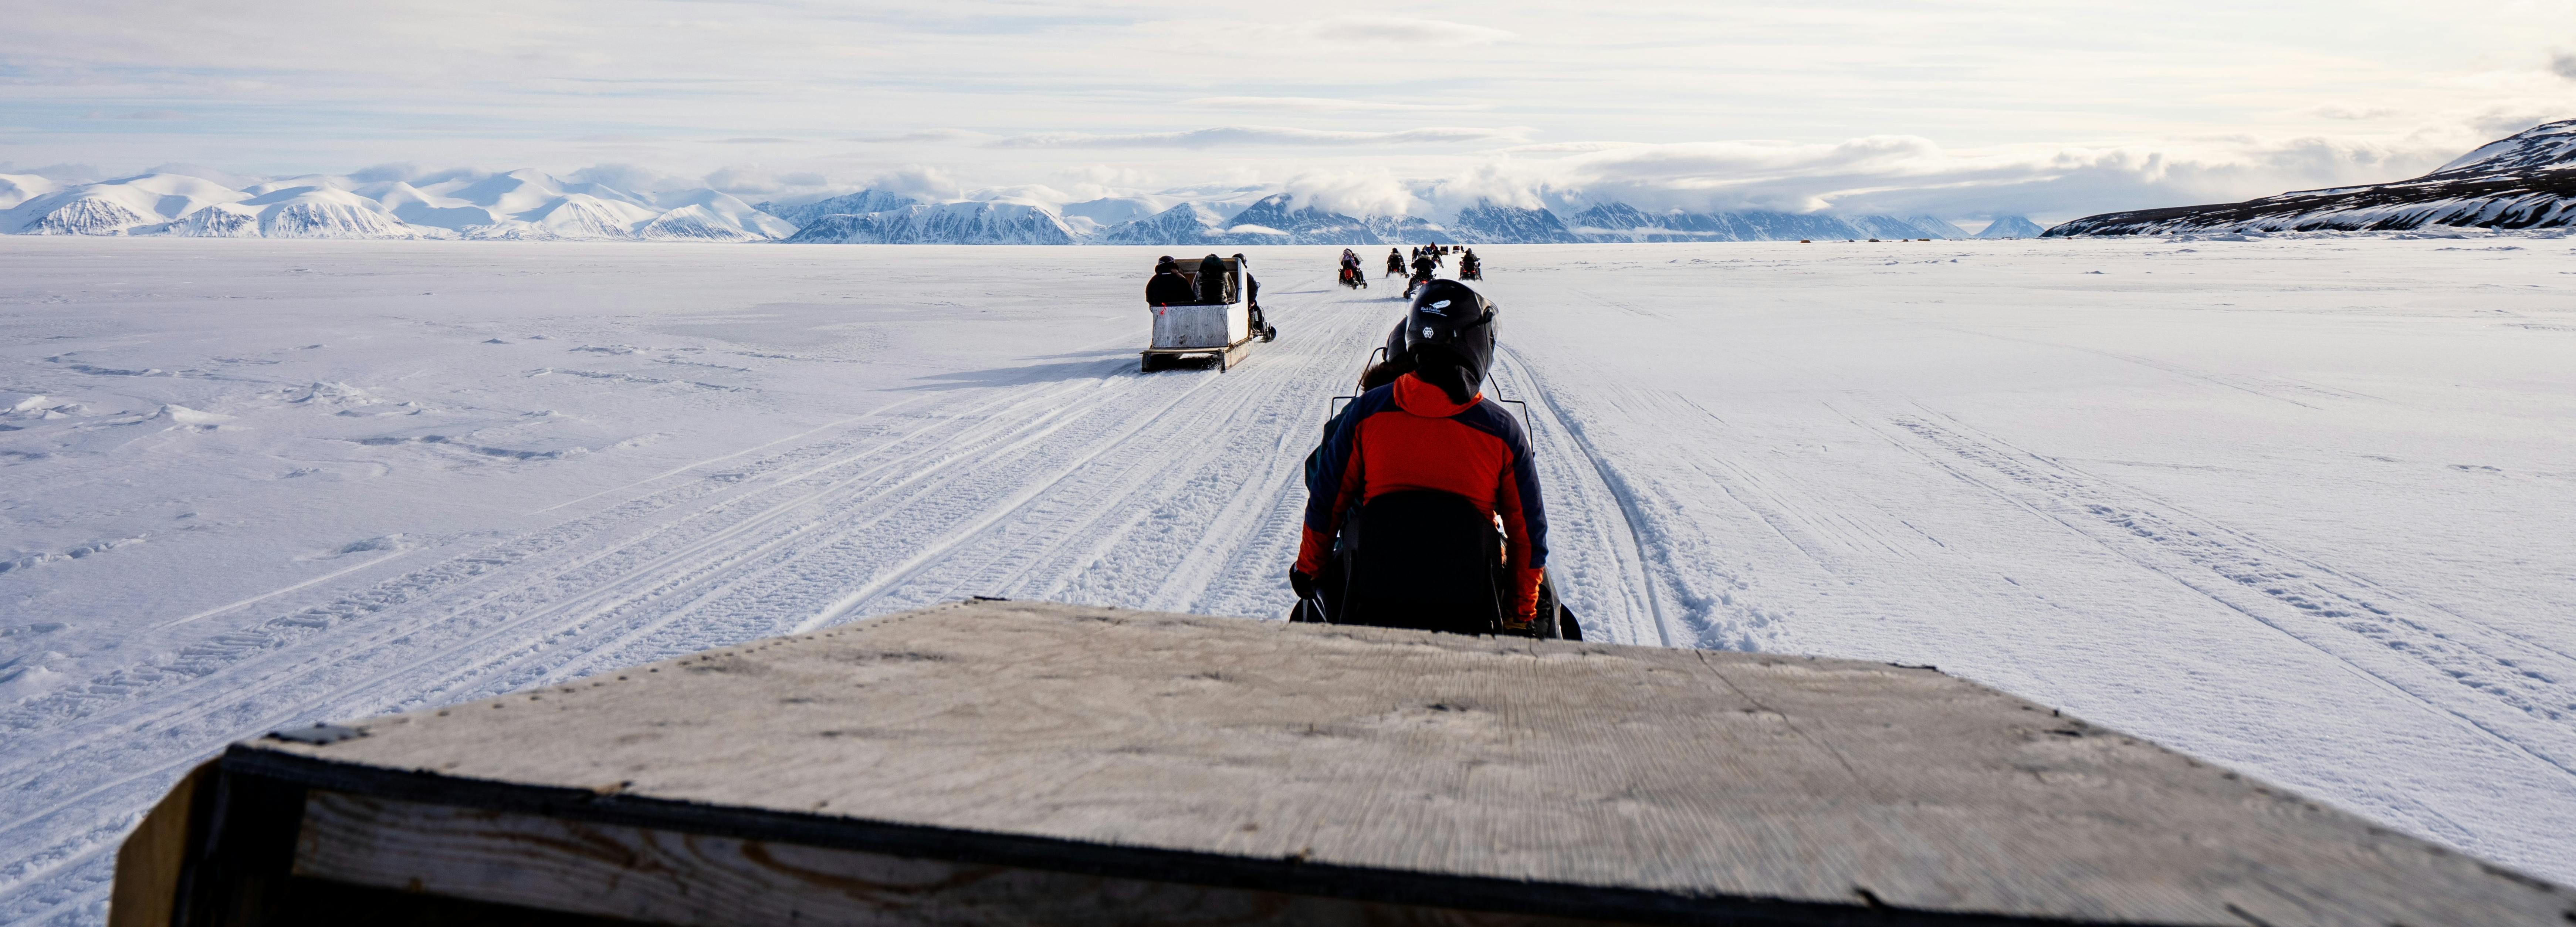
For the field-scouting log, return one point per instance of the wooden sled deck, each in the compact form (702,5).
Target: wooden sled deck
(1029,763)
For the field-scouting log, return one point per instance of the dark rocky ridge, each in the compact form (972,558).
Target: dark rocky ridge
(2520,182)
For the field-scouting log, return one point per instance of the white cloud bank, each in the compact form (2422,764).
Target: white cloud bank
(1227,136)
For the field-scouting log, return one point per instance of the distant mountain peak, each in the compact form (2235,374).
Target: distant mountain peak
(2517,182)
(2547,146)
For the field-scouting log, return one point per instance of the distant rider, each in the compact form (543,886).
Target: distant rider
(1419,470)
(1469,267)
(1169,288)
(1394,262)
(1423,265)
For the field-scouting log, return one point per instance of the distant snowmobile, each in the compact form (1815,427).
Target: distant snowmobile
(1423,266)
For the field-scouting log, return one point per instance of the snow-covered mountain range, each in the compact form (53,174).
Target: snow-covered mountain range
(529,205)
(516,205)
(1279,219)
(2524,181)
(2012,227)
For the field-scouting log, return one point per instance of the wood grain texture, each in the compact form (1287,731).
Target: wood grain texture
(664,877)
(1688,776)
(148,863)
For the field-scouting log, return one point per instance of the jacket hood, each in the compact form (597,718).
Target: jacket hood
(1423,399)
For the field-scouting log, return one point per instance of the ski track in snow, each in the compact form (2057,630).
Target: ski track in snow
(1681,513)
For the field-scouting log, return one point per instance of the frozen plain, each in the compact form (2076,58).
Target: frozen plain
(2305,508)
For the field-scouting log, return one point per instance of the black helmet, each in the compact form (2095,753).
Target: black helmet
(1451,326)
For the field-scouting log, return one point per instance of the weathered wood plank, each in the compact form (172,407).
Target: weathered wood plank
(692,880)
(148,863)
(1641,781)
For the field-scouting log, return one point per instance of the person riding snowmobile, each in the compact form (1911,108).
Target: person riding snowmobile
(1469,267)
(1351,274)
(1168,287)
(1423,265)
(1394,262)
(1417,472)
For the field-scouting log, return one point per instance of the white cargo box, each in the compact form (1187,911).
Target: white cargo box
(1206,328)
(1221,330)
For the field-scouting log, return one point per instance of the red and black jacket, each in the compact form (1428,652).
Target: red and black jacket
(1407,435)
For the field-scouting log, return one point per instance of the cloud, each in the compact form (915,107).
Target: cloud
(1352,193)
(744,181)
(1226,136)
(919,182)
(147,114)
(1908,174)
(753,141)
(2355,113)
(2563,64)
(1323,104)
(925,135)
(1396,30)
(200,171)
(1568,147)
(630,177)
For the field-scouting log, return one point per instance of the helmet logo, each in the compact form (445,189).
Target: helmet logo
(1443,304)
(1427,331)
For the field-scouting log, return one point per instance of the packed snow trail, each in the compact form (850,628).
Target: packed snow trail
(1080,480)
(2295,507)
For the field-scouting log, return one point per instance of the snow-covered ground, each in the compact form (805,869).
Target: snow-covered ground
(2304,508)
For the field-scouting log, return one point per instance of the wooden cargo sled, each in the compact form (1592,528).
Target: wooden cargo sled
(1025,763)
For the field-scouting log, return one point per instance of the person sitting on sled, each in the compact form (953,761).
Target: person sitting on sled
(1419,471)
(1168,287)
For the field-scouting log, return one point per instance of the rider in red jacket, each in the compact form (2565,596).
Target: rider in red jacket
(1420,470)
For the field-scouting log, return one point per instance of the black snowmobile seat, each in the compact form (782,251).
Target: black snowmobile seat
(1425,560)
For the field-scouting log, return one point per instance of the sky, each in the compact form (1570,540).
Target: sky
(1959,108)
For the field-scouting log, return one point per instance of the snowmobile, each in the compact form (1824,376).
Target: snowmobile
(1439,527)
(1222,330)
(1351,277)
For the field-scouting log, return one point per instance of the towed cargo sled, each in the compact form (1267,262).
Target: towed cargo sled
(1029,763)
(1219,330)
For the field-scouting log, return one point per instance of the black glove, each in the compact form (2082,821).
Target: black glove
(1304,584)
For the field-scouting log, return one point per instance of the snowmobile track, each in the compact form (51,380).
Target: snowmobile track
(2499,685)
(1197,469)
